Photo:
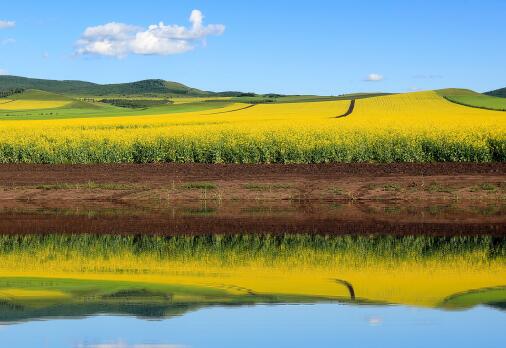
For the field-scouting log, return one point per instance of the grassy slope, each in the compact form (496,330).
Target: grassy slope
(35,94)
(476,297)
(473,99)
(483,101)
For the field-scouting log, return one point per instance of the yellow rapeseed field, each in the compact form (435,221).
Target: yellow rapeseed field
(413,127)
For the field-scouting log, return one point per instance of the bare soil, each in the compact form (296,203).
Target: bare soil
(402,182)
(441,199)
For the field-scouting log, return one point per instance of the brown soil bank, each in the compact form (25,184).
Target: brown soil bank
(164,173)
(442,198)
(232,217)
(173,182)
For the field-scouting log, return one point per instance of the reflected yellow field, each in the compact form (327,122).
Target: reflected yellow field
(302,268)
(10,293)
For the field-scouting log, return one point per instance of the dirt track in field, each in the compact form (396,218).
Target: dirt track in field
(235,110)
(350,109)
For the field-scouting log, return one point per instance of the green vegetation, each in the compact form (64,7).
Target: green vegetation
(245,247)
(482,101)
(472,99)
(9,92)
(86,186)
(391,187)
(437,187)
(136,103)
(456,92)
(80,88)
(501,93)
(266,187)
(487,187)
(199,186)
(35,94)
(495,297)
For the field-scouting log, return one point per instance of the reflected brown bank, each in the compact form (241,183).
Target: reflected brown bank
(274,217)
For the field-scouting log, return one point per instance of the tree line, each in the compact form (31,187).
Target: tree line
(9,92)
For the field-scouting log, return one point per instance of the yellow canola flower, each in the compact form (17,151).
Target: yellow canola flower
(32,104)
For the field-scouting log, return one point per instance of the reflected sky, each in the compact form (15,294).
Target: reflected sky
(320,325)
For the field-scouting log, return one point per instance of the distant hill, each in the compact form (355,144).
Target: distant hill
(82,88)
(497,93)
(450,92)
(34,94)
(469,98)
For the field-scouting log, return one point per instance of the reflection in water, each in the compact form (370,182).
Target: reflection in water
(154,277)
(231,217)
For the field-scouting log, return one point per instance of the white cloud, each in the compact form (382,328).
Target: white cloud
(374,77)
(4,72)
(119,39)
(7,24)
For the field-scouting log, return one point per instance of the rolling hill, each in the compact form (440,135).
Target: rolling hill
(501,92)
(473,99)
(82,88)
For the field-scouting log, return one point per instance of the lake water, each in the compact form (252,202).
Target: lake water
(250,289)
(320,325)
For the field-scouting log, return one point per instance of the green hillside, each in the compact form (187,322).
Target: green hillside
(16,87)
(35,94)
(473,99)
(501,93)
(82,88)
(453,92)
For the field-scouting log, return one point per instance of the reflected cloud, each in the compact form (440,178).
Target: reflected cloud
(374,321)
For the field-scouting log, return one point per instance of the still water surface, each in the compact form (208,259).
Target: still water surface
(321,325)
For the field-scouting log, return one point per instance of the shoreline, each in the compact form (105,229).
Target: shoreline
(173,199)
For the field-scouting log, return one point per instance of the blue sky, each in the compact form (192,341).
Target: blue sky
(317,47)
